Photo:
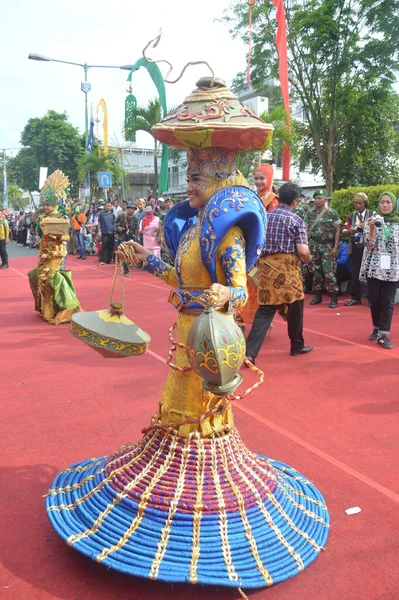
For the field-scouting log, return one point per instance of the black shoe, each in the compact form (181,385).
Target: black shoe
(127,274)
(333,301)
(77,258)
(83,258)
(3,266)
(353,303)
(385,342)
(303,350)
(317,299)
(251,360)
(373,335)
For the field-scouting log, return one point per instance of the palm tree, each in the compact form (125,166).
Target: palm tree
(282,134)
(94,162)
(145,119)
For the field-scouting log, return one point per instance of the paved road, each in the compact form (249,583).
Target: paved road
(15,251)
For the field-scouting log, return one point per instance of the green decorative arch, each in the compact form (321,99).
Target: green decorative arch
(159,83)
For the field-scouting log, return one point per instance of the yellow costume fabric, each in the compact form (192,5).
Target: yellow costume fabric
(4,229)
(52,289)
(183,396)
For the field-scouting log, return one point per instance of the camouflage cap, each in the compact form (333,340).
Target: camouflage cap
(320,193)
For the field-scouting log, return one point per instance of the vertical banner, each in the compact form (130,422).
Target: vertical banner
(42,176)
(86,186)
(281,43)
(4,182)
(90,139)
(89,148)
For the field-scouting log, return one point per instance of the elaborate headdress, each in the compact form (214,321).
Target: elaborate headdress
(215,126)
(212,117)
(54,188)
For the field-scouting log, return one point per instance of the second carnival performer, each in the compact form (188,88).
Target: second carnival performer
(188,502)
(52,288)
(263,179)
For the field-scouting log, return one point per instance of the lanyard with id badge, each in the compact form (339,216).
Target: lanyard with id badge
(385,258)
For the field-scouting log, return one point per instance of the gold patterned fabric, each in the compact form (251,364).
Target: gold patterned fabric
(183,396)
(279,279)
(53,289)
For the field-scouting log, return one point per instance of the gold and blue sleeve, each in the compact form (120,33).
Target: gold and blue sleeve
(231,254)
(156,266)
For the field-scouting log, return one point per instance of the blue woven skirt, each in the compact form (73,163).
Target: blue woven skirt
(192,510)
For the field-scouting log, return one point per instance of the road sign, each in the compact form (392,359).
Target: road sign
(85,86)
(104,179)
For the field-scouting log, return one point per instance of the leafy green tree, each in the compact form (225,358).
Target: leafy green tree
(146,118)
(54,143)
(369,153)
(96,161)
(336,49)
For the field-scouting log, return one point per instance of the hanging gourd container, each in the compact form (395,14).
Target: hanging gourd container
(216,350)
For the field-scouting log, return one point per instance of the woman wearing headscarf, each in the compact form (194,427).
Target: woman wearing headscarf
(150,228)
(380,266)
(264,183)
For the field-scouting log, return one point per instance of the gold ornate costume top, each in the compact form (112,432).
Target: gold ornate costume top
(183,396)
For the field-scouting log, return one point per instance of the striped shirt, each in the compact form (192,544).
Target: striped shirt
(284,231)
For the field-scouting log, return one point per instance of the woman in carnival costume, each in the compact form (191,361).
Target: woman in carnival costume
(52,288)
(188,502)
(263,179)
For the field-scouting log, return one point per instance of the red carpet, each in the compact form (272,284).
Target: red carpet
(332,414)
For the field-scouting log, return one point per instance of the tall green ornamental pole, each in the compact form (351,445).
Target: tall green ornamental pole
(157,78)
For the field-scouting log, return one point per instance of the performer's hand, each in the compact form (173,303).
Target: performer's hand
(141,252)
(334,252)
(371,224)
(217,295)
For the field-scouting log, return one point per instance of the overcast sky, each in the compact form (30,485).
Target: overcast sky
(104,33)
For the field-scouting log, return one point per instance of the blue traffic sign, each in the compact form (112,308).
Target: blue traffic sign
(104,179)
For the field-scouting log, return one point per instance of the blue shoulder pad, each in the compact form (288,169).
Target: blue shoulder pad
(235,205)
(178,219)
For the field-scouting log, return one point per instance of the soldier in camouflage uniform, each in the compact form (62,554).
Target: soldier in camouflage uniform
(301,210)
(324,232)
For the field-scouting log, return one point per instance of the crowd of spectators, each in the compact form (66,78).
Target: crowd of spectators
(97,228)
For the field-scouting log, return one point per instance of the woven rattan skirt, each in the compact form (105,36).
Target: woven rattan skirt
(192,510)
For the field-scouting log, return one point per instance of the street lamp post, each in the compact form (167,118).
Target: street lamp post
(86,87)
